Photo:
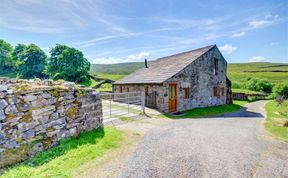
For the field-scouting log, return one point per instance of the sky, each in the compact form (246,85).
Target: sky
(116,31)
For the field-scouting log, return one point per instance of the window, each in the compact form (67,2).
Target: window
(120,88)
(222,91)
(127,89)
(186,93)
(215,66)
(215,91)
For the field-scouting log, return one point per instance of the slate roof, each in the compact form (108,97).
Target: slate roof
(162,69)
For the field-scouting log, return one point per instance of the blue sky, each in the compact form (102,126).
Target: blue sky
(113,31)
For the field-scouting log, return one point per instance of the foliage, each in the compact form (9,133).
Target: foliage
(68,64)
(281,89)
(6,62)
(276,119)
(65,159)
(52,67)
(209,111)
(255,84)
(34,63)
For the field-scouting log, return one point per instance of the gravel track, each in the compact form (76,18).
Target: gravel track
(232,145)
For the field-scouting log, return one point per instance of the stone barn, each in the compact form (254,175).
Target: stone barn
(180,82)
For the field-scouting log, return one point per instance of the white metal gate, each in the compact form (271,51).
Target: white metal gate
(117,105)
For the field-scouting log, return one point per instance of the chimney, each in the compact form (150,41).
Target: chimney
(146,64)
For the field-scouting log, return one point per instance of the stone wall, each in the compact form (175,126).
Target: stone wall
(35,115)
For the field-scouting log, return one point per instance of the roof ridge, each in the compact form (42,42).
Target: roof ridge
(181,53)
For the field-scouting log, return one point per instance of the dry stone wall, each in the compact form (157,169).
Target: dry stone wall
(36,114)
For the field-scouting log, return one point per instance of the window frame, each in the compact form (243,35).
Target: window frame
(186,93)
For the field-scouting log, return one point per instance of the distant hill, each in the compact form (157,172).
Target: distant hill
(121,68)
(274,72)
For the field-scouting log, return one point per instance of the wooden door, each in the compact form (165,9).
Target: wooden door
(172,97)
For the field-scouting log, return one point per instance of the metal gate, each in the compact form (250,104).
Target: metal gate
(119,105)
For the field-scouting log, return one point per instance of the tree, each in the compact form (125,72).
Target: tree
(255,84)
(34,61)
(6,62)
(281,89)
(53,66)
(68,64)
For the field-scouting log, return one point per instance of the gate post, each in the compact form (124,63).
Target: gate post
(128,101)
(143,101)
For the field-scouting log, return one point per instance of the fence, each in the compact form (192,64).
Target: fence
(120,105)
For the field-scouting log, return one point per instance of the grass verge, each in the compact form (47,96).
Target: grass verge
(65,159)
(208,111)
(275,120)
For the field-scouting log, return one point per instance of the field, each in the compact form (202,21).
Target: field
(273,72)
(277,115)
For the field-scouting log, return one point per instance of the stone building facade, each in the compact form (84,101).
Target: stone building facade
(35,115)
(183,81)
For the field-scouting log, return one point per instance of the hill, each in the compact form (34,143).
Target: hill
(121,68)
(237,72)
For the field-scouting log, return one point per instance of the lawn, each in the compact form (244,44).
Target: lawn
(65,159)
(208,111)
(275,119)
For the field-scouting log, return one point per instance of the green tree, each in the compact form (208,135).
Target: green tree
(34,61)
(6,62)
(68,64)
(281,89)
(259,85)
(53,65)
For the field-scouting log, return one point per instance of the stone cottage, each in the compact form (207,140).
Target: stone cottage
(183,81)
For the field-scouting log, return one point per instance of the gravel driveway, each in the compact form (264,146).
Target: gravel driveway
(234,145)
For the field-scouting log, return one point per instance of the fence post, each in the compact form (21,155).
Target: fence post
(143,101)
(110,102)
(128,101)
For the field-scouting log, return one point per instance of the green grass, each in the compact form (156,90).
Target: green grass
(245,91)
(110,76)
(236,71)
(208,111)
(275,119)
(63,160)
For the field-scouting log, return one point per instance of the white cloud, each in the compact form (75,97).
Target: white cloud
(138,56)
(259,23)
(268,20)
(130,58)
(227,49)
(257,59)
(235,35)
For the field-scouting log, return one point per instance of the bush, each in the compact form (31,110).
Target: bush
(281,89)
(255,84)
(236,85)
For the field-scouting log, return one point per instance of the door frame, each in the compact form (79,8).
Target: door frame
(176,97)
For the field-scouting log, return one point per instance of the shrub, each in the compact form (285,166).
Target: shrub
(281,89)
(255,84)
(236,85)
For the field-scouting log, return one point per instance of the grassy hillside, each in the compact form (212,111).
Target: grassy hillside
(121,68)
(273,72)
(237,72)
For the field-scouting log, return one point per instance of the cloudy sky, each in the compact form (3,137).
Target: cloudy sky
(113,31)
